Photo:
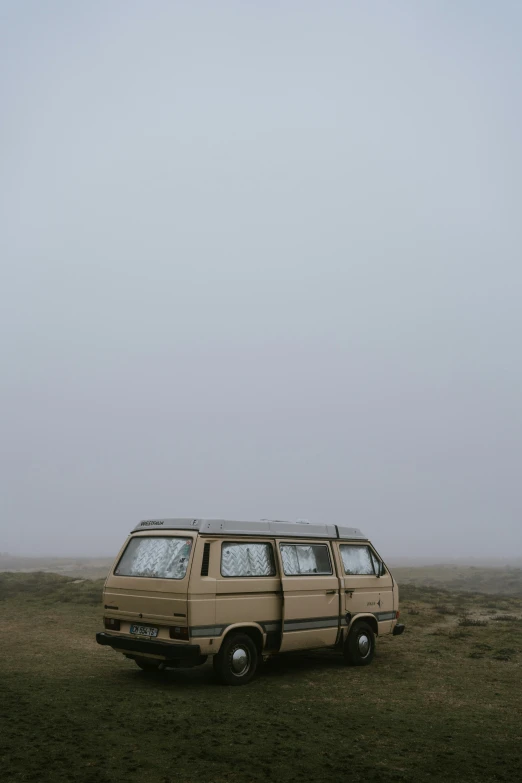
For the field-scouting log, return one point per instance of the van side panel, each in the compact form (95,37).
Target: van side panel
(247,599)
(366,594)
(311,604)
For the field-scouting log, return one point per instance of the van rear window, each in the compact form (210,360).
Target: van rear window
(162,558)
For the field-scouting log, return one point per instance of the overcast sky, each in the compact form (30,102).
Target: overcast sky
(261,259)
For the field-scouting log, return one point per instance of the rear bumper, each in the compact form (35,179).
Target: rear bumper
(187,653)
(399,628)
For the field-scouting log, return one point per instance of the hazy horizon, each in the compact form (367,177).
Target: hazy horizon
(261,261)
(22,562)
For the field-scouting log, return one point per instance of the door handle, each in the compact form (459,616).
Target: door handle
(331,592)
(349,592)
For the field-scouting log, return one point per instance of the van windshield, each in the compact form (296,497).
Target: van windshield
(163,558)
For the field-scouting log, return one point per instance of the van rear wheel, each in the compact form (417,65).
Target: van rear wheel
(236,662)
(359,647)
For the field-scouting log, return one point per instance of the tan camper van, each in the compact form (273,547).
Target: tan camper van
(184,589)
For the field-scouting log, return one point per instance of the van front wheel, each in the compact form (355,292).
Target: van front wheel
(236,662)
(359,648)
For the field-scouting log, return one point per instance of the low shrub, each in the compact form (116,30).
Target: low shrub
(444,609)
(42,586)
(505,654)
(466,622)
(459,635)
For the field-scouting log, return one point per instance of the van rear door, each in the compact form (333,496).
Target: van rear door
(150,579)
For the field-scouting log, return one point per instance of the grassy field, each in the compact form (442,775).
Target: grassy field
(80,567)
(506,580)
(440,703)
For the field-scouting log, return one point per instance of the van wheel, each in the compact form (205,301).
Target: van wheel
(359,648)
(236,662)
(147,665)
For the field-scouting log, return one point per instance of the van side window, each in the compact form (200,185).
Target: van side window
(247,559)
(359,560)
(305,559)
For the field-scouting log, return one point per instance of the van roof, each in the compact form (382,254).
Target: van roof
(265,527)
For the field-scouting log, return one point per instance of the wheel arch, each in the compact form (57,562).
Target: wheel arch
(251,629)
(367,618)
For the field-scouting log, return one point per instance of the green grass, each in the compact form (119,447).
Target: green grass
(44,587)
(440,703)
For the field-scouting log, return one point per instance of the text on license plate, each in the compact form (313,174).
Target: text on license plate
(144,630)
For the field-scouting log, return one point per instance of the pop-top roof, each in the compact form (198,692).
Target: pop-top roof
(264,527)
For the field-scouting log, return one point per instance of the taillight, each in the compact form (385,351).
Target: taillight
(179,632)
(111,623)
(397,613)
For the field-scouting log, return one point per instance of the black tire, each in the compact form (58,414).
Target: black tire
(236,662)
(148,665)
(359,647)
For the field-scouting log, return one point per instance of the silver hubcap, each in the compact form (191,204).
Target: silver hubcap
(240,661)
(364,645)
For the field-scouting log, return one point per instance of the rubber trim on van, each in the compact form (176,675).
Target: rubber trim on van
(207,630)
(309,623)
(301,624)
(381,616)
(199,631)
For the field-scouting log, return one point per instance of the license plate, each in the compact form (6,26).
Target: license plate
(144,630)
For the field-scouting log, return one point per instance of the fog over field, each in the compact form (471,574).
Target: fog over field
(261,261)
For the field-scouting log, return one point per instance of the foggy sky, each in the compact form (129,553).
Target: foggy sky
(261,260)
